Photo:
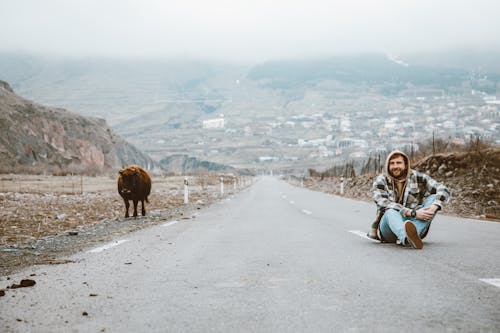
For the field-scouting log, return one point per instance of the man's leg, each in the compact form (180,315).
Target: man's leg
(412,237)
(421,225)
(373,233)
(392,226)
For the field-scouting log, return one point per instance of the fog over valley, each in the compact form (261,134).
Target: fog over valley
(286,85)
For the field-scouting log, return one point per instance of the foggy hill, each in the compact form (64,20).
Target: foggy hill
(469,59)
(39,139)
(368,70)
(282,114)
(120,90)
(115,89)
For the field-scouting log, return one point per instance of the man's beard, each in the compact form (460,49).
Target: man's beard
(401,176)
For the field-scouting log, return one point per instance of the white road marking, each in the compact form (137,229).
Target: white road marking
(495,282)
(283,196)
(362,234)
(292,202)
(108,246)
(168,224)
(305,211)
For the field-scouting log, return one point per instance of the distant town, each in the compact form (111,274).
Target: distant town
(323,139)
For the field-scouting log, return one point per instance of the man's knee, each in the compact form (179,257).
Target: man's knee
(391,213)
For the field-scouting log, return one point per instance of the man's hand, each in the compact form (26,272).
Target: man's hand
(426,213)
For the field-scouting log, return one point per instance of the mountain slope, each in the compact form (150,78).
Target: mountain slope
(366,69)
(37,139)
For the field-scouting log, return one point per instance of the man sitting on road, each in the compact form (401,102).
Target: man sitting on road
(407,201)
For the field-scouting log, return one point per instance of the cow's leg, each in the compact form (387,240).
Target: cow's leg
(143,209)
(135,207)
(127,205)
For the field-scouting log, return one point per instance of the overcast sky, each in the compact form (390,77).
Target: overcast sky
(248,30)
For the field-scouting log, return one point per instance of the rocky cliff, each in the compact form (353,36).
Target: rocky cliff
(39,139)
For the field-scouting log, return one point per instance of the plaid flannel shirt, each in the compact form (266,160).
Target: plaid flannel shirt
(418,186)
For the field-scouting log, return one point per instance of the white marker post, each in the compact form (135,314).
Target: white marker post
(186,190)
(221,186)
(234,184)
(341,185)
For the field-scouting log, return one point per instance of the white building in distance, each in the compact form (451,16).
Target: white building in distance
(213,123)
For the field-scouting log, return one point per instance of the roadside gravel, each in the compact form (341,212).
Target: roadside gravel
(44,228)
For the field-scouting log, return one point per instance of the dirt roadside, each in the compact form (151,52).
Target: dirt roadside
(473,178)
(40,228)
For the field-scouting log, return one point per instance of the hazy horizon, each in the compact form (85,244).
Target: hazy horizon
(245,31)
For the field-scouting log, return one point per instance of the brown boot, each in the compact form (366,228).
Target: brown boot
(412,237)
(373,234)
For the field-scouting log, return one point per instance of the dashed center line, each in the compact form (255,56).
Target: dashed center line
(108,246)
(307,212)
(292,202)
(495,282)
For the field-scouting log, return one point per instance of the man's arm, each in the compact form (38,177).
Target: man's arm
(442,192)
(432,187)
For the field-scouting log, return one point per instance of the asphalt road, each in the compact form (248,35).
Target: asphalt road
(272,258)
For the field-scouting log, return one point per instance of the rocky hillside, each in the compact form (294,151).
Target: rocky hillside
(39,139)
(183,164)
(473,178)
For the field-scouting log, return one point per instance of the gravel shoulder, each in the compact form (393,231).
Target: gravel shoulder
(44,228)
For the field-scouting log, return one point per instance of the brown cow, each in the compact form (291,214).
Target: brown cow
(134,184)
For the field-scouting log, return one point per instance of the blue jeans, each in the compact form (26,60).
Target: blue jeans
(392,223)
